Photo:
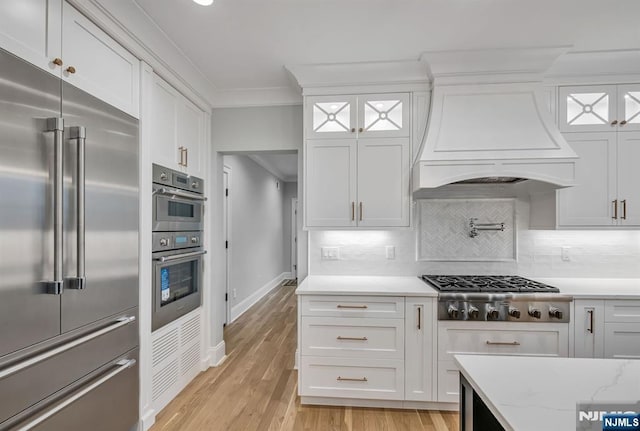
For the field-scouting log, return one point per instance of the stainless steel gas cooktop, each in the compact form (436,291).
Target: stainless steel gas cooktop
(498,298)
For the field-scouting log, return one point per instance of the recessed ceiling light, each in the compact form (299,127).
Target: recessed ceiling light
(204,2)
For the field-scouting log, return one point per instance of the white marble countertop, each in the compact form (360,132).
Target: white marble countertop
(535,393)
(364,285)
(596,288)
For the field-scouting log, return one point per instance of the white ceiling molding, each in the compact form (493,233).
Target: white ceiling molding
(254,97)
(271,167)
(322,78)
(595,67)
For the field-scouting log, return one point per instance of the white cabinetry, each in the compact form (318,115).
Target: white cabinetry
(420,315)
(177,128)
(361,182)
(357,160)
(54,36)
(608,144)
(31,30)
(493,338)
(351,347)
(607,329)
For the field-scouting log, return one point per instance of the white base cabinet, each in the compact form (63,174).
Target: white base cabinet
(607,329)
(420,348)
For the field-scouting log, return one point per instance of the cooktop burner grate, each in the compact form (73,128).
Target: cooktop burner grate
(487,283)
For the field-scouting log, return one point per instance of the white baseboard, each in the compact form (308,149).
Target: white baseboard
(147,419)
(217,354)
(387,404)
(239,309)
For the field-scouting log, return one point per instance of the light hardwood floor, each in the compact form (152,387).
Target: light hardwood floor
(256,387)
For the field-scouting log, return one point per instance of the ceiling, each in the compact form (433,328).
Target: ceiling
(245,44)
(282,165)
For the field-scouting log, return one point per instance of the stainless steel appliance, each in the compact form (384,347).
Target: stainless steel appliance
(177,201)
(177,275)
(69,256)
(178,209)
(498,298)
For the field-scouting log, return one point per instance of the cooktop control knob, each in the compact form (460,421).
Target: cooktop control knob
(534,312)
(555,312)
(514,312)
(164,242)
(473,312)
(194,239)
(163,176)
(453,312)
(195,184)
(492,313)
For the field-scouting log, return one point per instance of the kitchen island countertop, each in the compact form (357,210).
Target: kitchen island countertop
(365,285)
(534,393)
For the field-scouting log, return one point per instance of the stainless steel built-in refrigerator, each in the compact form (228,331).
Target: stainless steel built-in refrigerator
(68,256)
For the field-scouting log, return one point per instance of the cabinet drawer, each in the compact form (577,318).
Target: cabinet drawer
(622,311)
(551,341)
(356,338)
(448,382)
(381,379)
(388,307)
(622,340)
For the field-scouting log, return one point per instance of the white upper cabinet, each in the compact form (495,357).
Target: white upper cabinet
(383,182)
(369,115)
(97,64)
(31,30)
(629,107)
(599,108)
(55,37)
(331,117)
(628,179)
(177,129)
(331,183)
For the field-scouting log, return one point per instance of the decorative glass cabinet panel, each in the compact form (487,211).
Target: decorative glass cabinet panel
(629,107)
(331,117)
(587,108)
(383,115)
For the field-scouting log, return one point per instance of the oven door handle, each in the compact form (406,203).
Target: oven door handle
(179,256)
(181,193)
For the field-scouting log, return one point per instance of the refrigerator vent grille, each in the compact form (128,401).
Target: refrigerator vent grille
(190,358)
(164,379)
(165,346)
(190,330)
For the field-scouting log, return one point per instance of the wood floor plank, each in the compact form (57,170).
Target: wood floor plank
(256,388)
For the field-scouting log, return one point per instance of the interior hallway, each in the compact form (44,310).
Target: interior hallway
(256,387)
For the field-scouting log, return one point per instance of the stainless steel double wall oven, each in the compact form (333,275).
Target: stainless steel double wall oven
(178,212)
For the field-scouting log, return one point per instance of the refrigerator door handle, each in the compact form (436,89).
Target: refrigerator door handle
(79,134)
(122,365)
(56,125)
(122,321)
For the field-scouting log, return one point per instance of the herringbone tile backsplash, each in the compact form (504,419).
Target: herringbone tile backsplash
(443,230)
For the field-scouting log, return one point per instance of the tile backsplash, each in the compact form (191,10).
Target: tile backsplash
(609,254)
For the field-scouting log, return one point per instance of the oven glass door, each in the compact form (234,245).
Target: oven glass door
(176,213)
(176,287)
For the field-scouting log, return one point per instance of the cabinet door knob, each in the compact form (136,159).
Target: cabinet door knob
(360,130)
(71,69)
(353,130)
(623,122)
(57,61)
(614,122)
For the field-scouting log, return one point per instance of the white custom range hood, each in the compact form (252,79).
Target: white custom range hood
(489,120)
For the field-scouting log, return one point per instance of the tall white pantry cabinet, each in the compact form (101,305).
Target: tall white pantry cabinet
(357,160)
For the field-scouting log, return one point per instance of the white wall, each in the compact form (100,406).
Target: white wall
(290,192)
(592,253)
(238,130)
(256,237)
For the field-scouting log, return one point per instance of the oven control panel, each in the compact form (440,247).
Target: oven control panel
(179,180)
(175,240)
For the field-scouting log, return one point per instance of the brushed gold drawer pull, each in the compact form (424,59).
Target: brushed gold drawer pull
(352,306)
(353,211)
(615,209)
(348,379)
(361,211)
(339,337)
(624,209)
(503,343)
